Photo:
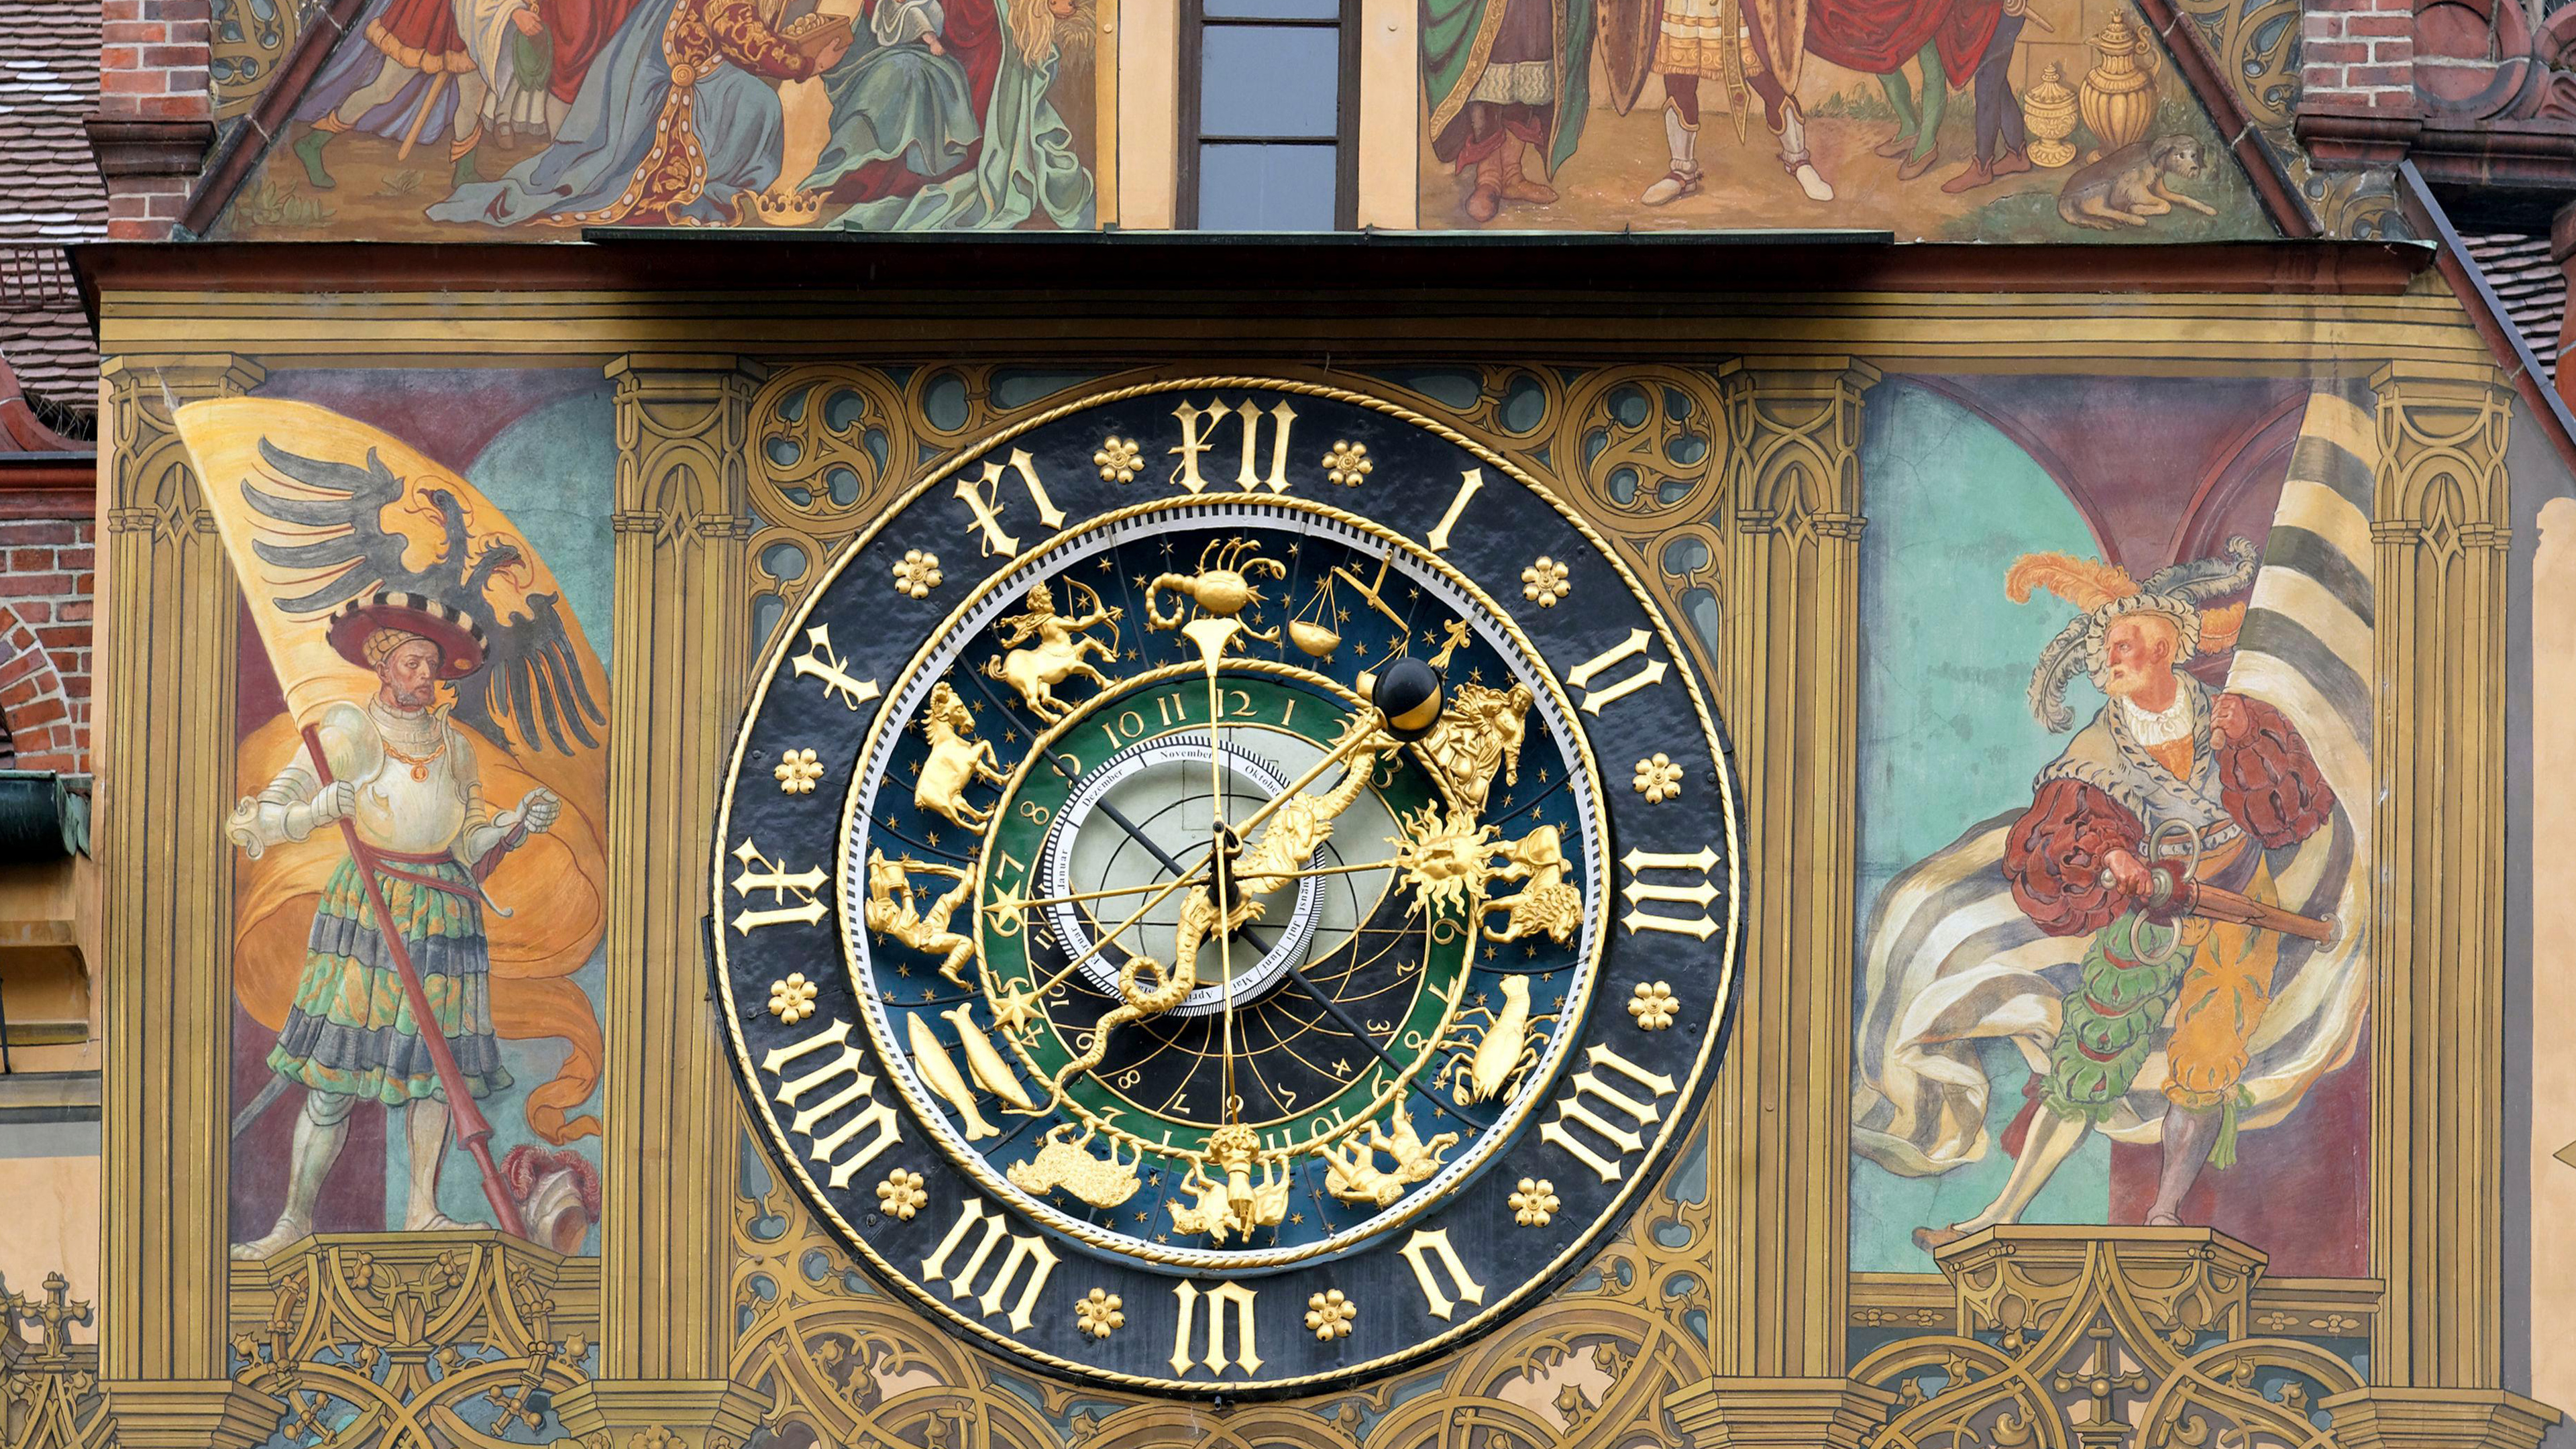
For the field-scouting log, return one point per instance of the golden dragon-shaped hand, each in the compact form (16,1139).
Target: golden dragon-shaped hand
(1296,827)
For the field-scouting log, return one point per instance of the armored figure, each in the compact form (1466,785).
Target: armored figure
(403,773)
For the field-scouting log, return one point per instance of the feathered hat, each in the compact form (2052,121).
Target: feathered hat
(2104,592)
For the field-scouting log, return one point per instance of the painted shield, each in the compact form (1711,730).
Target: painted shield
(1628,30)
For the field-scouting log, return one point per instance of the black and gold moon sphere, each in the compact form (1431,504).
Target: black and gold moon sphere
(1225,890)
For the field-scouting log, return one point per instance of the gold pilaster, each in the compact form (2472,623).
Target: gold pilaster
(2441,527)
(1780,1144)
(682,646)
(167,608)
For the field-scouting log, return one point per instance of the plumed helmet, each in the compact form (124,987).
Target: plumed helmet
(2103,591)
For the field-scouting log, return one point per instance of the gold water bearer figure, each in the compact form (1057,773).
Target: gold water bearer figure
(1059,651)
(891,910)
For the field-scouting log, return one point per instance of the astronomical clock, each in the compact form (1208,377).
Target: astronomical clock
(1227,888)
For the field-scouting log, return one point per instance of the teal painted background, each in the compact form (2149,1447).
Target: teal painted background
(1946,738)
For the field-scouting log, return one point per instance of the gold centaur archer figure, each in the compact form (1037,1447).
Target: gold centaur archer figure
(1058,653)
(1301,823)
(890,910)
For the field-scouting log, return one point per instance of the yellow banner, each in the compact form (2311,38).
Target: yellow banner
(316,509)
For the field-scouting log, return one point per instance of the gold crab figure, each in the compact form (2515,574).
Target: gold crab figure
(1288,841)
(1059,652)
(1239,1203)
(1221,589)
(1352,1174)
(892,911)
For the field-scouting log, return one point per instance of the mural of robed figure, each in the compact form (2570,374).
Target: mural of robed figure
(1508,81)
(403,773)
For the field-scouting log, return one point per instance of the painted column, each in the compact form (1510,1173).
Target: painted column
(682,647)
(1780,1136)
(2441,525)
(167,615)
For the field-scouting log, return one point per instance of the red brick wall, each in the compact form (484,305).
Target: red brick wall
(2357,55)
(152,84)
(47,581)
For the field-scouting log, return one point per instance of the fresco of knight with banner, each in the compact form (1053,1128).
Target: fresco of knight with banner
(2171,929)
(420,840)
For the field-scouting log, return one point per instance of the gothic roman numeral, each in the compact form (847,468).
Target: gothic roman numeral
(1582,675)
(1198,427)
(821,661)
(1246,1357)
(983,496)
(760,873)
(1637,891)
(835,1084)
(1027,1251)
(1576,1109)
(1425,1246)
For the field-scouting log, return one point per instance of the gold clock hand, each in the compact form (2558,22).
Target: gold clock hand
(1212,636)
(1006,904)
(1094,949)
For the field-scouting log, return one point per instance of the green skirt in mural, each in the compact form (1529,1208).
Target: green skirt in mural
(2110,1024)
(351,1031)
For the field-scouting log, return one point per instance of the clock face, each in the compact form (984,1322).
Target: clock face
(1225,889)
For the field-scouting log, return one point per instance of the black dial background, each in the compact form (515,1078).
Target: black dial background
(877,631)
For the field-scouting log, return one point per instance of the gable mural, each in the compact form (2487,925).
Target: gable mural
(1943,120)
(423,740)
(2115,818)
(467,117)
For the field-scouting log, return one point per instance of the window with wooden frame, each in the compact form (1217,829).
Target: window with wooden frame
(1269,115)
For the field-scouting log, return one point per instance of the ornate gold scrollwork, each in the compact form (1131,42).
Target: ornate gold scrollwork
(413,1338)
(49,1395)
(2095,1338)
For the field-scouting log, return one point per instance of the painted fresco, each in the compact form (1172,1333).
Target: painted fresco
(420,703)
(1942,120)
(467,118)
(2114,818)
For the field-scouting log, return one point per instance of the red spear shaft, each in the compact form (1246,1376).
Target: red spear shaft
(472,1132)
